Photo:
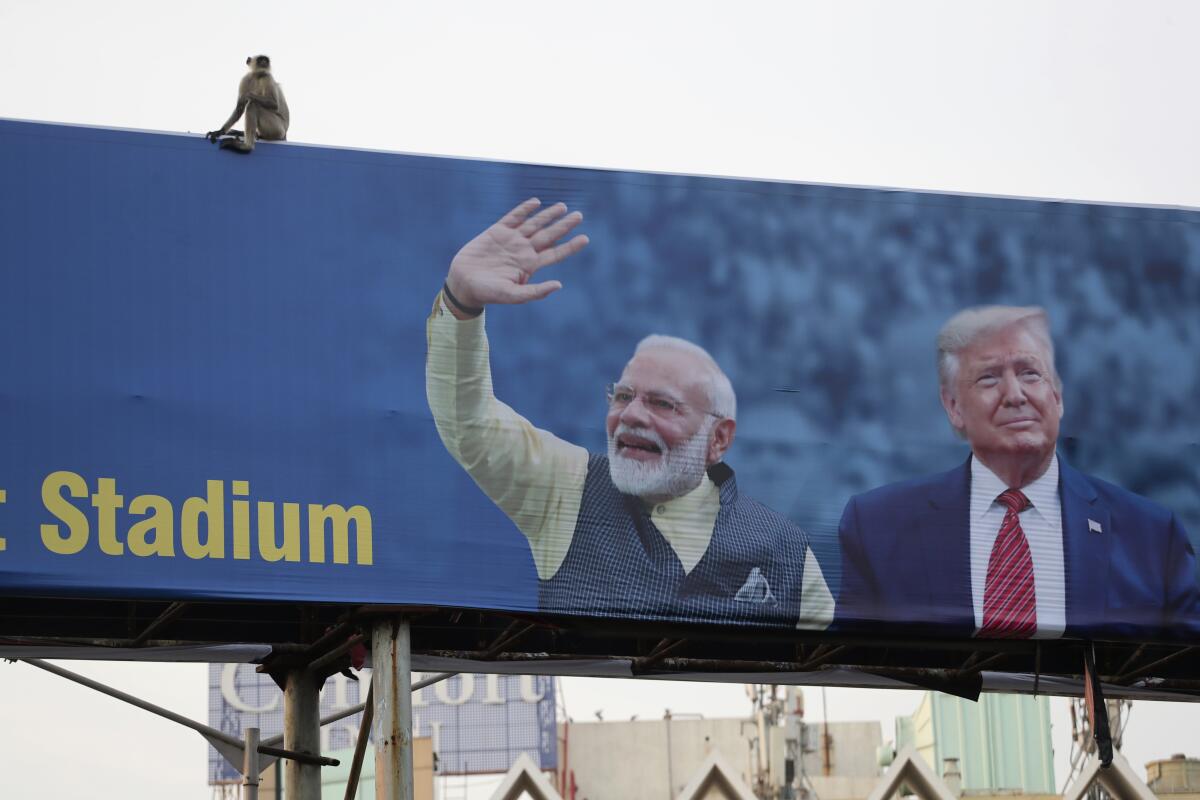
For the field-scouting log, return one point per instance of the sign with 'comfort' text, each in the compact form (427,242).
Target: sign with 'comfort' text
(477,723)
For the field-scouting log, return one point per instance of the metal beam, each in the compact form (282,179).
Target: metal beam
(1148,668)
(302,733)
(660,651)
(360,745)
(510,635)
(1129,662)
(319,664)
(978,666)
(391,679)
(204,730)
(822,656)
(432,679)
(250,766)
(1037,666)
(171,612)
(334,717)
(335,634)
(352,710)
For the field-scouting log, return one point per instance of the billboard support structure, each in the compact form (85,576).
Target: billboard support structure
(391,654)
(360,744)
(228,746)
(1097,710)
(302,732)
(250,766)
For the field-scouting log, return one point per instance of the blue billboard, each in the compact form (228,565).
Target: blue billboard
(313,374)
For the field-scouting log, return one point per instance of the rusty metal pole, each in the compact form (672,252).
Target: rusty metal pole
(360,745)
(391,679)
(250,769)
(302,732)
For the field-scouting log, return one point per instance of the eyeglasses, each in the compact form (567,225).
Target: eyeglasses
(620,396)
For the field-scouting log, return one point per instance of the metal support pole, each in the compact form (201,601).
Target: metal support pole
(302,732)
(391,655)
(250,768)
(360,745)
(223,742)
(361,707)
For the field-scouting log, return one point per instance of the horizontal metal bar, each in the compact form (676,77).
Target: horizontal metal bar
(117,644)
(660,651)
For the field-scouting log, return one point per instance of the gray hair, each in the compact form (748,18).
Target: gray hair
(721,397)
(969,325)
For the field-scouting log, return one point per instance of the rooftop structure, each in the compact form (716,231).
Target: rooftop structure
(1001,742)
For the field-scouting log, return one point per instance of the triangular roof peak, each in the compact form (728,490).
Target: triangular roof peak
(525,777)
(1119,780)
(910,770)
(715,773)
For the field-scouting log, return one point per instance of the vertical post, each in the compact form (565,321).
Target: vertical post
(670,761)
(391,679)
(302,733)
(360,744)
(250,767)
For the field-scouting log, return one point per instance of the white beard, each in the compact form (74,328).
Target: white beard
(674,474)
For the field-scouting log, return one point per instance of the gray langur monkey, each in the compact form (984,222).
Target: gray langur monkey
(261,99)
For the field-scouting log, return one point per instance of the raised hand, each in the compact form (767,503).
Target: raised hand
(495,266)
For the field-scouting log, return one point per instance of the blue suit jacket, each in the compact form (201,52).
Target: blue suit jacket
(906,561)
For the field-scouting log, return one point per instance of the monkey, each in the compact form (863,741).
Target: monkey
(262,101)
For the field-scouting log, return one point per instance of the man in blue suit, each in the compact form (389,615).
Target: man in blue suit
(1014,543)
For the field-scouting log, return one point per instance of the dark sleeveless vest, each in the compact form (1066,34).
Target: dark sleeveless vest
(619,565)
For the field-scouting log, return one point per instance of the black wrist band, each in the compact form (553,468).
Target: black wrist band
(468,310)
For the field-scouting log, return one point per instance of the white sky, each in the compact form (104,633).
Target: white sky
(1082,100)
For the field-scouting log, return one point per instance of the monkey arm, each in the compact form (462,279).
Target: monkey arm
(244,95)
(238,110)
(268,101)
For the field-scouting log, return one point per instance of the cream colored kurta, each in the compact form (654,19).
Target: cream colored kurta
(536,478)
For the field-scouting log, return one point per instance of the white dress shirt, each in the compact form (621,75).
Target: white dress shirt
(1042,524)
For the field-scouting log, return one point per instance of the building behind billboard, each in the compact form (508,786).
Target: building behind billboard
(476,723)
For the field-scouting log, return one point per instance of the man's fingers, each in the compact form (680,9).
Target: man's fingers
(542,219)
(526,293)
(564,250)
(552,233)
(515,217)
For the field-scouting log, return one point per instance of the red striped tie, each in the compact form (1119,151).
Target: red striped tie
(1009,600)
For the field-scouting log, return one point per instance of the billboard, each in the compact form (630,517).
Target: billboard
(384,378)
(477,723)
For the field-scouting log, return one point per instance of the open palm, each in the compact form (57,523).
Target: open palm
(496,266)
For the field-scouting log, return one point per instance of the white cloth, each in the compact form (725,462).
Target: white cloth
(1042,525)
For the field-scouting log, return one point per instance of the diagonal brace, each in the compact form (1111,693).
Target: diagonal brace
(210,733)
